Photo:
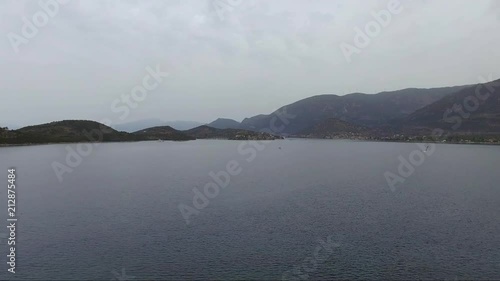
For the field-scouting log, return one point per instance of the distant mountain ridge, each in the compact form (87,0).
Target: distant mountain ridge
(475,109)
(469,114)
(162,133)
(224,123)
(74,131)
(359,109)
(134,126)
(66,131)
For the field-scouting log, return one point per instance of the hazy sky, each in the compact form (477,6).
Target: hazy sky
(236,62)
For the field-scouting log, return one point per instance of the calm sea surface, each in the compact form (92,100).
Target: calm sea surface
(116,216)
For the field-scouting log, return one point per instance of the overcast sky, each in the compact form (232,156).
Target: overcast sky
(235,63)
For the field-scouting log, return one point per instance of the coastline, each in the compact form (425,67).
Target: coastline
(298,138)
(77,142)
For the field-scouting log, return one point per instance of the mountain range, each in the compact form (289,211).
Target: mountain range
(460,110)
(472,110)
(134,126)
(371,110)
(71,131)
(469,112)
(225,123)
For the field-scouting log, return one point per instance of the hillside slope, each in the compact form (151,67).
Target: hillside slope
(206,132)
(224,123)
(70,131)
(162,133)
(135,126)
(334,128)
(475,109)
(359,109)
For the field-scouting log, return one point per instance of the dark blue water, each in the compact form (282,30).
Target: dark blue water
(116,215)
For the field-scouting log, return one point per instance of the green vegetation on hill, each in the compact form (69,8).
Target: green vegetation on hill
(162,133)
(333,128)
(224,123)
(6,135)
(69,131)
(206,132)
